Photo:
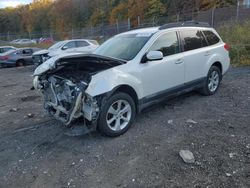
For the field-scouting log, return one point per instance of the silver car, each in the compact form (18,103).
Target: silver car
(17,57)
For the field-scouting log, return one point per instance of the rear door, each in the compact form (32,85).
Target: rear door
(163,76)
(196,54)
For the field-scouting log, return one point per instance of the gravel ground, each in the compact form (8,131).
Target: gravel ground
(35,152)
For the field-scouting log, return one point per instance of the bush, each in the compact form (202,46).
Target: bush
(237,35)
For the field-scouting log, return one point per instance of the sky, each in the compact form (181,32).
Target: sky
(13,3)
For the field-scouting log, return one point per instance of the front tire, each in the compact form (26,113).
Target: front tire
(212,82)
(117,115)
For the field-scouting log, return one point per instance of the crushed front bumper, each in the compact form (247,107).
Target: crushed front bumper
(56,104)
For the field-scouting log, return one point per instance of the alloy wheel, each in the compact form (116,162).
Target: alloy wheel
(119,115)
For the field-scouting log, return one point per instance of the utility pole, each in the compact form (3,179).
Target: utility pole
(212,19)
(117,26)
(138,21)
(238,10)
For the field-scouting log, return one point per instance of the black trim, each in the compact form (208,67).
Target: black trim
(170,93)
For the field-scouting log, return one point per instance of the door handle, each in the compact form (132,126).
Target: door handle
(179,61)
(207,53)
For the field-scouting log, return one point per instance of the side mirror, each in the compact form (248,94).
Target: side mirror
(65,48)
(152,56)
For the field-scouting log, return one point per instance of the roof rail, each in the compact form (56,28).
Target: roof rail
(184,24)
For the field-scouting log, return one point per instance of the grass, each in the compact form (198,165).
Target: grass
(237,35)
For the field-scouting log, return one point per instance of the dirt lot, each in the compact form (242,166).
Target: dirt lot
(35,152)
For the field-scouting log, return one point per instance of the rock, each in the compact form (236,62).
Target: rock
(232,155)
(14,110)
(248,146)
(228,174)
(187,156)
(170,121)
(30,115)
(191,121)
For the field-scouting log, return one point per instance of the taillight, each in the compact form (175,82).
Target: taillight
(227,47)
(4,57)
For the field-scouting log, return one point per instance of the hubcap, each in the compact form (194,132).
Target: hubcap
(119,115)
(213,82)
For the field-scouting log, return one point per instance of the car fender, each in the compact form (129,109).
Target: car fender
(213,58)
(109,80)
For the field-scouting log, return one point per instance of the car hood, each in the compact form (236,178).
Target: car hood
(41,52)
(63,59)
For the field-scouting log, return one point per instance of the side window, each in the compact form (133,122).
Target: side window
(2,50)
(27,51)
(193,39)
(81,43)
(168,44)
(211,37)
(71,44)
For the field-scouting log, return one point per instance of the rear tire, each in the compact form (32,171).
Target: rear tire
(20,63)
(212,82)
(117,115)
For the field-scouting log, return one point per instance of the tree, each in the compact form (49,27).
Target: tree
(119,12)
(155,8)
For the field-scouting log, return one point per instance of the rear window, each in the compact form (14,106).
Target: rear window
(81,43)
(193,39)
(94,42)
(211,37)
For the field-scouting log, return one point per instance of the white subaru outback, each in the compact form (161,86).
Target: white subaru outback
(130,72)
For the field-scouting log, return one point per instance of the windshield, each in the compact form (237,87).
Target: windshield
(56,45)
(124,47)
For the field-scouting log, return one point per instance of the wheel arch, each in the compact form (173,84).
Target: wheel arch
(128,90)
(219,65)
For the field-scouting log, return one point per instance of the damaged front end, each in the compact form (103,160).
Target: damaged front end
(64,84)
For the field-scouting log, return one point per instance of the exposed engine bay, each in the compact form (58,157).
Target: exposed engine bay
(63,88)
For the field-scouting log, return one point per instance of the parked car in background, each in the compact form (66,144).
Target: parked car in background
(4,49)
(68,46)
(14,41)
(132,71)
(17,57)
(46,41)
(23,42)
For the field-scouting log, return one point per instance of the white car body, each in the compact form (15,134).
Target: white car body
(61,47)
(83,46)
(149,81)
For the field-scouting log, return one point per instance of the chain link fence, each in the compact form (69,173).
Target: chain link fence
(215,17)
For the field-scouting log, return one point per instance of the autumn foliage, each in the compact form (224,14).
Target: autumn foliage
(63,15)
